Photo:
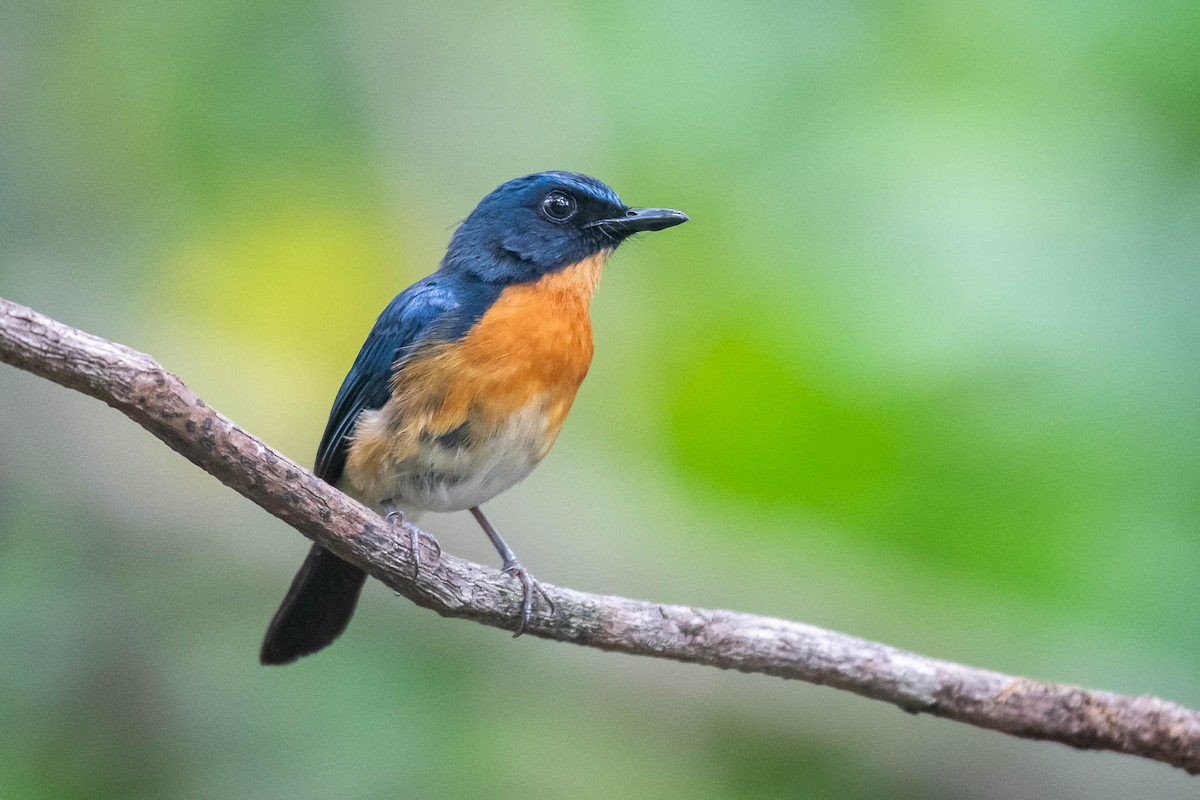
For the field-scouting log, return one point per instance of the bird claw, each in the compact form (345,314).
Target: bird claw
(529,585)
(415,536)
(395,518)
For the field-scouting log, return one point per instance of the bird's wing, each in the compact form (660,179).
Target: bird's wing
(413,318)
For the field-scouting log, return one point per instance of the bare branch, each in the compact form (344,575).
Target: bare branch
(137,386)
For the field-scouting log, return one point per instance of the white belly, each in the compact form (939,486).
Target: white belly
(454,477)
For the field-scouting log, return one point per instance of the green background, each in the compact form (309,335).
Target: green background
(924,367)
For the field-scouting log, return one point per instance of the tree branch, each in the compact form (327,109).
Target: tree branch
(137,386)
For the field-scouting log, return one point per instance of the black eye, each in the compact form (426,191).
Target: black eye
(559,206)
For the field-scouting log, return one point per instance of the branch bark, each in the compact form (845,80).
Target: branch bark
(137,386)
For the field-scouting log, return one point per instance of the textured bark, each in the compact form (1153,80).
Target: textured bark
(137,386)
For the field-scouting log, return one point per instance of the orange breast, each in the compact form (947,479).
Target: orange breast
(507,385)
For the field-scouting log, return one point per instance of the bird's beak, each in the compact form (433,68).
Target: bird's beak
(638,220)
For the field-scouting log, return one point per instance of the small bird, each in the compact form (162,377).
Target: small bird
(464,382)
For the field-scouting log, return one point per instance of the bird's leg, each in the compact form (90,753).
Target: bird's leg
(395,518)
(513,567)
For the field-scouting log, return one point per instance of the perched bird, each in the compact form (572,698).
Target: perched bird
(464,382)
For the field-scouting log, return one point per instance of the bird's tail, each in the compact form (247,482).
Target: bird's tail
(316,610)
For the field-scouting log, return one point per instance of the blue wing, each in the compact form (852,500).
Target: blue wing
(406,323)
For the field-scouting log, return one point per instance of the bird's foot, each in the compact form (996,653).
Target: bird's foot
(395,518)
(416,535)
(529,585)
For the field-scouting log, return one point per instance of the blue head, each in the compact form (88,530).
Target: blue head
(541,223)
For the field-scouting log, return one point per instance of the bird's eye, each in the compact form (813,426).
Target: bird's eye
(559,206)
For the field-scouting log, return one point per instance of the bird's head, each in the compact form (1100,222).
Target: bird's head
(534,225)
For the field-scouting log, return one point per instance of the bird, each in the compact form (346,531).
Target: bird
(463,383)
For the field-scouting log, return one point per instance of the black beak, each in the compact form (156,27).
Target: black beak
(639,220)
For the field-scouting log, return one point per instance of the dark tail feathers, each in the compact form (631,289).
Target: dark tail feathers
(316,610)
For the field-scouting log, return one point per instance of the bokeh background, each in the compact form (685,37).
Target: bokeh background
(924,367)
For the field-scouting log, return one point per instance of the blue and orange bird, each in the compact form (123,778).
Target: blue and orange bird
(464,382)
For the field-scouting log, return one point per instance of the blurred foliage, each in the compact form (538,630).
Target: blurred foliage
(923,367)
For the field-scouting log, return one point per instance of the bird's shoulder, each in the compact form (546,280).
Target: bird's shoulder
(439,308)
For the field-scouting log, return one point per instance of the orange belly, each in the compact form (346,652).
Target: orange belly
(469,419)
